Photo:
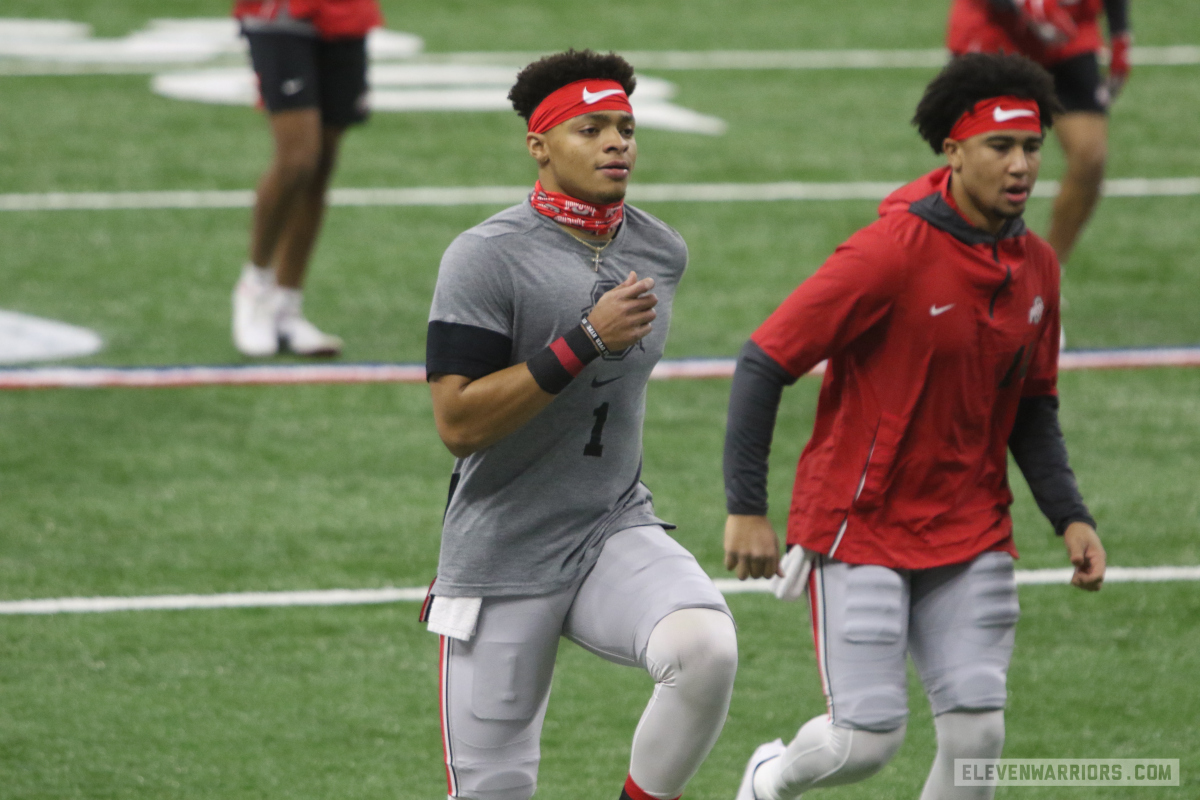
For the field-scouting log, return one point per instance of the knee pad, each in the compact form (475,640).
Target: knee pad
(879,709)
(966,734)
(694,649)
(490,784)
(981,687)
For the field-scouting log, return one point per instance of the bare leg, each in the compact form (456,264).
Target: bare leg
(297,136)
(287,218)
(1084,139)
(304,222)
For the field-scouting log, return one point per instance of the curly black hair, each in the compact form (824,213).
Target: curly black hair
(539,79)
(972,77)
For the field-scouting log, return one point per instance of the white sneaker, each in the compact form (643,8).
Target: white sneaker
(255,308)
(297,334)
(763,754)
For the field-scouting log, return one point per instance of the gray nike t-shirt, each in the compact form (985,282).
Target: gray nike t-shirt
(529,514)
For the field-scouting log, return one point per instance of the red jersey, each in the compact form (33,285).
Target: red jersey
(333,19)
(976,26)
(934,331)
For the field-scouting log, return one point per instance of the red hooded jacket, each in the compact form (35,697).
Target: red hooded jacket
(934,330)
(333,19)
(976,26)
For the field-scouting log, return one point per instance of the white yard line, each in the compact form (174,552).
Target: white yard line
(177,377)
(414,373)
(329,597)
(1025,577)
(1168,55)
(1171,55)
(291,374)
(506,195)
(345,597)
(1162,55)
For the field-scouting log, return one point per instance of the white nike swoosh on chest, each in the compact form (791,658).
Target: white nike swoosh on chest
(935,310)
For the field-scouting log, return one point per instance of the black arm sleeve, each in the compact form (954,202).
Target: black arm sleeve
(1117,12)
(452,348)
(758,385)
(1037,445)
(1005,6)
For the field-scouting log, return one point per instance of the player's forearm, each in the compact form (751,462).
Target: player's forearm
(758,384)
(1117,12)
(474,414)
(1040,451)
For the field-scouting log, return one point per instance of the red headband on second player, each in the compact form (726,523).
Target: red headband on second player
(576,99)
(1005,113)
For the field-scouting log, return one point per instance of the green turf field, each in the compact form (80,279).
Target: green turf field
(132,492)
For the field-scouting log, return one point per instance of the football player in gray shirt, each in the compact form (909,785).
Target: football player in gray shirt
(546,322)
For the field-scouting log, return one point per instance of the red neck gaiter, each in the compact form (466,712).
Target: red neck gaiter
(566,210)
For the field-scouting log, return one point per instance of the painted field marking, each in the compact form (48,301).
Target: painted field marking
(328,597)
(1170,55)
(178,377)
(1025,577)
(346,597)
(508,195)
(26,339)
(920,58)
(291,374)
(858,58)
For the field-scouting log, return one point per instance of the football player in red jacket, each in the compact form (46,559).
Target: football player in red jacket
(311,61)
(940,324)
(1064,37)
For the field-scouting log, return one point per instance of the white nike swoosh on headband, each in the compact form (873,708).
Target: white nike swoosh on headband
(1000,115)
(596,97)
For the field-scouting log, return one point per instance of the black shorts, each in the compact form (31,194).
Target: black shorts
(296,71)
(1078,84)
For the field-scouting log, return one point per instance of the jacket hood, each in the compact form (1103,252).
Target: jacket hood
(910,193)
(926,197)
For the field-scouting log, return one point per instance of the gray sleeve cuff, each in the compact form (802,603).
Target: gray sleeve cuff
(758,383)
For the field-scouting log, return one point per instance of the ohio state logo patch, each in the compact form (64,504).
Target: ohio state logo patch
(1036,310)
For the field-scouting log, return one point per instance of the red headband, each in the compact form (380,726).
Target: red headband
(1005,113)
(576,99)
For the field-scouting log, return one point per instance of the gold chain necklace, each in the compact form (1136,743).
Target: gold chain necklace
(596,251)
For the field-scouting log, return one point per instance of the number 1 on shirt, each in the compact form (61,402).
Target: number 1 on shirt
(593,447)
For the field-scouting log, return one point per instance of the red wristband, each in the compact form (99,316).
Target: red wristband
(565,357)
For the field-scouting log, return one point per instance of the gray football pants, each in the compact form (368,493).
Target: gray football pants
(646,603)
(957,621)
